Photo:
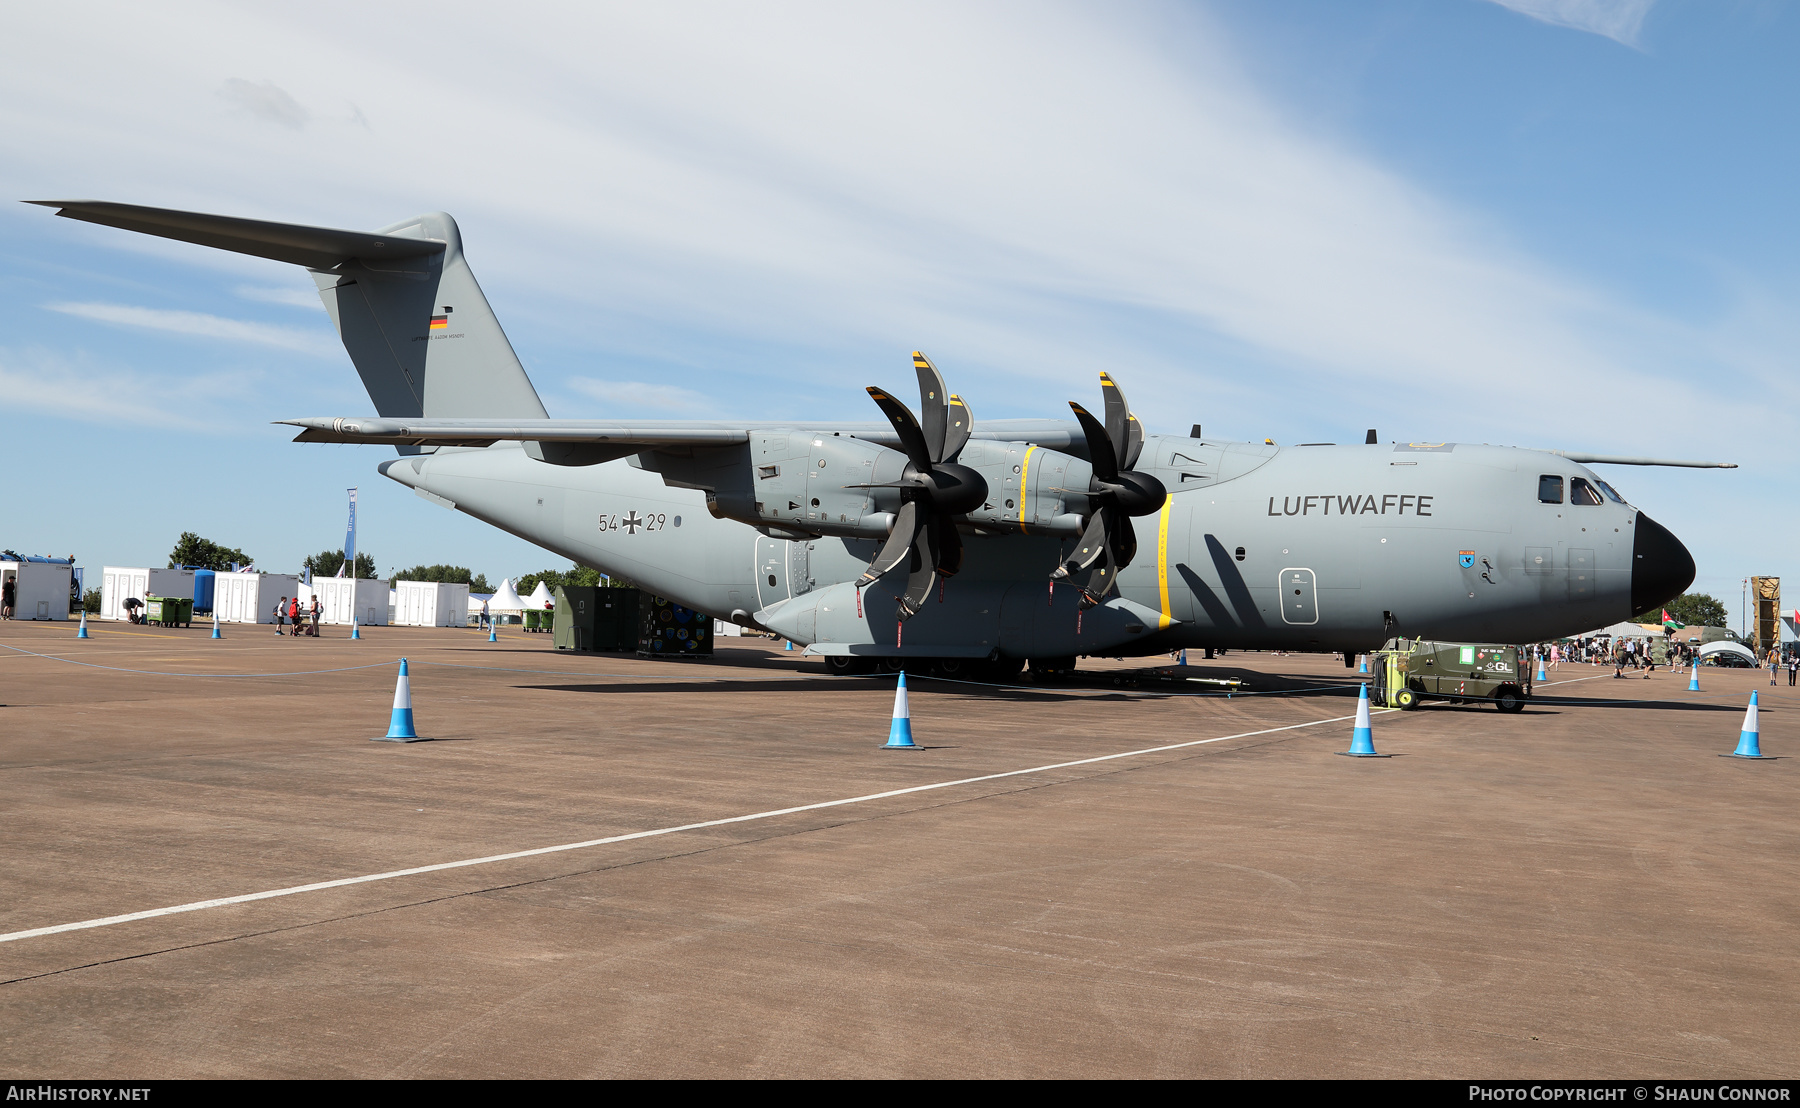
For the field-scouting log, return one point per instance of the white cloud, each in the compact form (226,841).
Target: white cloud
(1619,20)
(74,388)
(201,324)
(622,397)
(266,101)
(1028,192)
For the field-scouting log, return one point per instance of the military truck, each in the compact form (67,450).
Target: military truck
(1410,670)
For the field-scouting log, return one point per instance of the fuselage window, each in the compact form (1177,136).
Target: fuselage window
(1580,492)
(1550,489)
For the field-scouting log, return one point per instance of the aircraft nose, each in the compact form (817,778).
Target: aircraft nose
(1660,566)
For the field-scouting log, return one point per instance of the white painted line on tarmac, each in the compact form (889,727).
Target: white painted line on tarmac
(319,886)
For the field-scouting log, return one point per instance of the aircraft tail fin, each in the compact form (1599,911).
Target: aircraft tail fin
(405,303)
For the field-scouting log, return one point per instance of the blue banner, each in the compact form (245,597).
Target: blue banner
(350,540)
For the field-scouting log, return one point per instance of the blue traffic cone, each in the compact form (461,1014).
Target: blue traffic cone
(356,633)
(1362,663)
(491,636)
(1182,661)
(900,733)
(81,632)
(1694,677)
(1748,745)
(1362,740)
(400,724)
(1541,675)
(790,644)
(215,633)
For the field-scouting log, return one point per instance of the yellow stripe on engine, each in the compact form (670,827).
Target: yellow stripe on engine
(1024,479)
(1162,560)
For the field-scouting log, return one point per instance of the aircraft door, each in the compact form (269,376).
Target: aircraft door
(1299,596)
(771,570)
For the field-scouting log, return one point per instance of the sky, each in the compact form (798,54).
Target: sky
(1549,223)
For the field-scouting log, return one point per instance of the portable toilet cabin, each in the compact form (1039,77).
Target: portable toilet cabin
(40,587)
(430,604)
(251,597)
(203,589)
(345,600)
(120,582)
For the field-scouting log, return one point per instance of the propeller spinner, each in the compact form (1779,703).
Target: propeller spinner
(1116,492)
(933,488)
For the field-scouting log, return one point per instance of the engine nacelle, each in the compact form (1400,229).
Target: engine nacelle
(1026,488)
(791,484)
(795,484)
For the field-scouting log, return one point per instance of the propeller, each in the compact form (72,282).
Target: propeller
(933,488)
(1115,493)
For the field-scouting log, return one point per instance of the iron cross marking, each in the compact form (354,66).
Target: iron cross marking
(632,523)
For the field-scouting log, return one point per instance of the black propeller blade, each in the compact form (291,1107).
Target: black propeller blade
(933,488)
(1116,492)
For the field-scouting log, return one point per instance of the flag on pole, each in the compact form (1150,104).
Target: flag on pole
(1670,623)
(350,542)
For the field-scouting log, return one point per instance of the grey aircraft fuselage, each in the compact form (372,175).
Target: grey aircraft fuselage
(1310,548)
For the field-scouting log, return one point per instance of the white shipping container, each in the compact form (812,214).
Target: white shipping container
(430,604)
(41,589)
(251,597)
(341,597)
(119,582)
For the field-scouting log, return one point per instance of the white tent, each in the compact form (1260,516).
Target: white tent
(540,598)
(1707,650)
(506,599)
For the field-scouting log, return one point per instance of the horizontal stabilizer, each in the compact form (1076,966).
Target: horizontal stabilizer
(313,247)
(413,320)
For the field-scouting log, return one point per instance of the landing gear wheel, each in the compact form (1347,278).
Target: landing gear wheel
(1406,700)
(848,665)
(1509,700)
(956,668)
(891,665)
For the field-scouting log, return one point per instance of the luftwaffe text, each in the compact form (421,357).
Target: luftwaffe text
(1397,503)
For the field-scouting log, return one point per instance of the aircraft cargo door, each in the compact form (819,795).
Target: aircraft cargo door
(1299,596)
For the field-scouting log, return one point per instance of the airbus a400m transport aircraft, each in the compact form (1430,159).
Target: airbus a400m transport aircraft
(936,537)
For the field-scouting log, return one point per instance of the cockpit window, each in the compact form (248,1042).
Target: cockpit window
(1580,492)
(1612,494)
(1550,489)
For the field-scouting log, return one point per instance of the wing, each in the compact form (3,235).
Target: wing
(644,434)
